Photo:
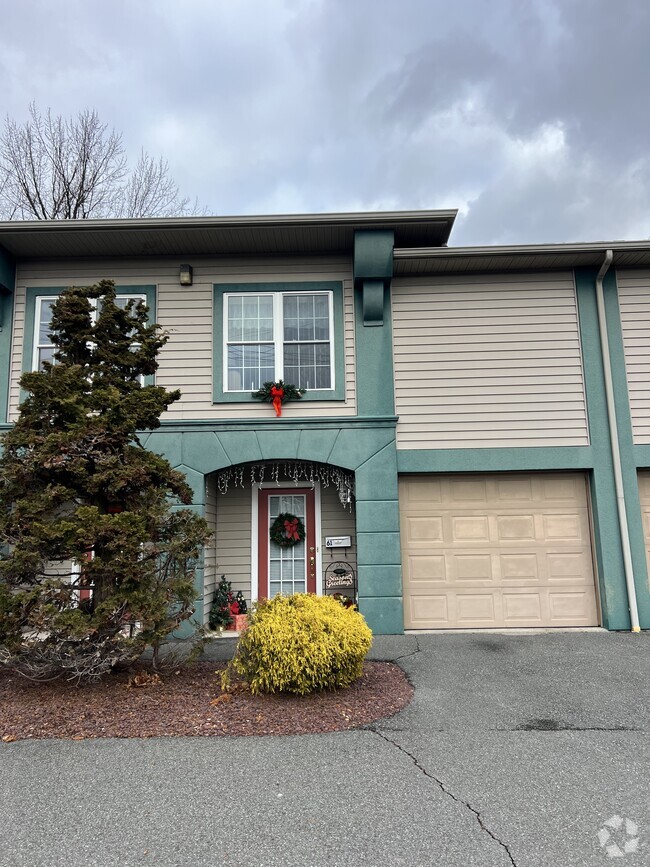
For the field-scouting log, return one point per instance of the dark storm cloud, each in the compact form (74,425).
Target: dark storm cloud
(530,117)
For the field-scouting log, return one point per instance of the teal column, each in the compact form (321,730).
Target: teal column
(607,533)
(7,287)
(196,481)
(626,445)
(378,543)
(377,506)
(173,447)
(373,270)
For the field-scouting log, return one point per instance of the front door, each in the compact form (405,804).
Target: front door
(286,570)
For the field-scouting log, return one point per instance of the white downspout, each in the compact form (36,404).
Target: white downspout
(616,452)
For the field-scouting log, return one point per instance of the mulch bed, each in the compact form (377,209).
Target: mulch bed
(184,704)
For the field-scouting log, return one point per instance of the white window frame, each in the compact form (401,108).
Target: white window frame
(38,304)
(278,334)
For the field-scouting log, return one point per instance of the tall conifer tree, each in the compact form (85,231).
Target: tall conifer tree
(80,496)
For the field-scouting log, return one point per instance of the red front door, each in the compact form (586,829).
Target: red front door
(286,570)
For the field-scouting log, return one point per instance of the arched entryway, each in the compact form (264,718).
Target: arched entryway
(243,501)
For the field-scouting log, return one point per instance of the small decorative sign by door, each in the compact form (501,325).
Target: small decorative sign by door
(340,579)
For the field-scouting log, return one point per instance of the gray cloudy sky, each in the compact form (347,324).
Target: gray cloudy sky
(530,116)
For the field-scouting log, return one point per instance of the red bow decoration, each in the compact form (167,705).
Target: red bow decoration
(291,529)
(277,394)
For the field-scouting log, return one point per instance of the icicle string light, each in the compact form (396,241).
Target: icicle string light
(282,472)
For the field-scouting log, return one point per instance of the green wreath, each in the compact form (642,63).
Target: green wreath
(287,530)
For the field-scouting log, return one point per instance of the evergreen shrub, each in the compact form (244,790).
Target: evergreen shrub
(301,644)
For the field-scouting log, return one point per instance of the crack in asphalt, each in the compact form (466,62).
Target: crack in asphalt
(447,792)
(417,650)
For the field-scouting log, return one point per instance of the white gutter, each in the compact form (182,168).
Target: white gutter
(616,452)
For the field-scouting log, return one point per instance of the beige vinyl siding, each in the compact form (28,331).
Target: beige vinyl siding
(210,552)
(634,299)
(16,357)
(337,521)
(233,539)
(186,313)
(488,361)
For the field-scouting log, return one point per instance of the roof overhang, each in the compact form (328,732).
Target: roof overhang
(418,261)
(188,236)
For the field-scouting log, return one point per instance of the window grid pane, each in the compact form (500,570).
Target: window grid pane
(304,339)
(307,365)
(44,345)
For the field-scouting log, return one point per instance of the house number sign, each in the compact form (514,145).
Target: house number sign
(337,541)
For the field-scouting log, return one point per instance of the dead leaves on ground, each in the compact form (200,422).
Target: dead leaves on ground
(143,678)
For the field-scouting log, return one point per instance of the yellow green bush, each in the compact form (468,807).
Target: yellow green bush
(301,644)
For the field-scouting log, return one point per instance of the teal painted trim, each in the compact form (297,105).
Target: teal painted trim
(494,460)
(208,451)
(7,286)
(7,270)
(373,270)
(607,537)
(333,286)
(379,556)
(190,626)
(30,311)
(384,614)
(373,255)
(367,450)
(374,361)
(626,447)
(641,456)
(323,422)
(373,302)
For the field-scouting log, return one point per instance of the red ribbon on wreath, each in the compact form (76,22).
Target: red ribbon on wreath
(277,394)
(291,529)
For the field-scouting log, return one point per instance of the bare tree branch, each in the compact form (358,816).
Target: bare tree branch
(52,168)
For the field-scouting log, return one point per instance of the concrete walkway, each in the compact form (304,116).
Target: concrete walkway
(517,749)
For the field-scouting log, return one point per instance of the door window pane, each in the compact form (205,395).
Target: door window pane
(287,566)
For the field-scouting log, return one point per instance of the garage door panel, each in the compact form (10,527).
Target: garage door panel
(497,550)
(470,528)
(569,566)
(521,609)
(519,567)
(428,609)
(472,567)
(568,527)
(515,527)
(423,529)
(477,609)
(573,607)
(430,569)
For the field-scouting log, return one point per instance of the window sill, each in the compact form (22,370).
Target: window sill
(334,395)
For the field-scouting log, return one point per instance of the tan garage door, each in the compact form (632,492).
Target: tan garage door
(644,496)
(496,550)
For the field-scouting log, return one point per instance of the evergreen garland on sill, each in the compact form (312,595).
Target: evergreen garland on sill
(278,393)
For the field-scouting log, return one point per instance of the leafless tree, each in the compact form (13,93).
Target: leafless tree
(53,168)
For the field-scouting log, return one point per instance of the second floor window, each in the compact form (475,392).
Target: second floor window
(43,347)
(279,335)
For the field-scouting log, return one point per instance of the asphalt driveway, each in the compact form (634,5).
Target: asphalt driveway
(517,749)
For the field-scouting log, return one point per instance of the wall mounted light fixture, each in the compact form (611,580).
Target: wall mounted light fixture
(185,276)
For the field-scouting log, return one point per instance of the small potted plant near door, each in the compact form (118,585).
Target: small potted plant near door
(220,616)
(238,613)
